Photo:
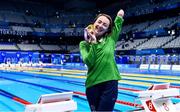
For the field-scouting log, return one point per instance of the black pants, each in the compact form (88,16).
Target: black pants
(102,97)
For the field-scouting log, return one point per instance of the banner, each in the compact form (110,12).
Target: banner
(11,32)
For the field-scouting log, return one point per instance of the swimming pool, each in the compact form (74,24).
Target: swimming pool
(32,83)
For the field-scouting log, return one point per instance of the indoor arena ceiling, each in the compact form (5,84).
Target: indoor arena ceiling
(80,4)
(99,3)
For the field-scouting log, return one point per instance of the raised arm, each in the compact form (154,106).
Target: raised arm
(117,25)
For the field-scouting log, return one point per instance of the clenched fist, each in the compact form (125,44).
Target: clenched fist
(120,13)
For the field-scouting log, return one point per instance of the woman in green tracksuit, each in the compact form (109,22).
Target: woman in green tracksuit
(98,54)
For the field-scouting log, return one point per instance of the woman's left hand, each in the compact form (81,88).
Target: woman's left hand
(120,13)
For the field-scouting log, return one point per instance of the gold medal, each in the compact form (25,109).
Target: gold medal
(91,27)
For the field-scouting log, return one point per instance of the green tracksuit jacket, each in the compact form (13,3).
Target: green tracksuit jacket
(100,58)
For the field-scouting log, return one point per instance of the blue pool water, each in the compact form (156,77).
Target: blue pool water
(30,86)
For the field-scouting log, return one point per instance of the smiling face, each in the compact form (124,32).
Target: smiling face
(101,25)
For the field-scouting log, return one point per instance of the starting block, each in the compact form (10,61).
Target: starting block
(158,98)
(58,102)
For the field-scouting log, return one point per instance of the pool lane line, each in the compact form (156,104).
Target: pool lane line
(133,75)
(138,78)
(75,82)
(151,77)
(44,77)
(123,74)
(131,79)
(120,81)
(75,92)
(81,76)
(53,88)
(34,84)
(138,83)
(149,81)
(68,81)
(14,97)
